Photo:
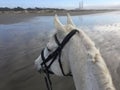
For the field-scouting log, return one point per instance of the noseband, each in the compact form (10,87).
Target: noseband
(52,57)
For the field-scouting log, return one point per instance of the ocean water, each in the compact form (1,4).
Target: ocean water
(21,43)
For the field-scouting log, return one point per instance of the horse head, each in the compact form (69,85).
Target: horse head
(58,64)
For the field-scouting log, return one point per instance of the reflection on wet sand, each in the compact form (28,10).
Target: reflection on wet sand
(18,50)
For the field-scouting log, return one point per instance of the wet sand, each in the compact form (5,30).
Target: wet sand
(19,49)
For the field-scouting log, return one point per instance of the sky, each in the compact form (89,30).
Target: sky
(56,3)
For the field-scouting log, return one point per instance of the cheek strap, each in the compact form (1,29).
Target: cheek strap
(53,56)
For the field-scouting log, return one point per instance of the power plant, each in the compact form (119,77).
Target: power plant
(81,4)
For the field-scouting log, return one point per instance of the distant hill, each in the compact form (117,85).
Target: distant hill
(28,9)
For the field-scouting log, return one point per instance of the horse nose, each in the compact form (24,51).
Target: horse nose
(37,66)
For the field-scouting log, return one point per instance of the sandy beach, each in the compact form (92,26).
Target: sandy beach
(9,18)
(19,49)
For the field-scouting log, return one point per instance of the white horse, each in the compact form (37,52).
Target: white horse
(80,57)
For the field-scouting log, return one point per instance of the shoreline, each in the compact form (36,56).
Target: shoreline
(16,17)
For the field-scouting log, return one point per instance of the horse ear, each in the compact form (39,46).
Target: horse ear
(69,20)
(58,24)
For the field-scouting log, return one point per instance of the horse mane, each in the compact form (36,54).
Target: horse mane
(98,64)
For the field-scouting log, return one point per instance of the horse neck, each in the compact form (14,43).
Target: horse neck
(85,78)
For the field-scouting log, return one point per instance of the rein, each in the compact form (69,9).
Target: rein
(52,57)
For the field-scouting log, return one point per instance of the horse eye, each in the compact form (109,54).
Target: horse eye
(49,49)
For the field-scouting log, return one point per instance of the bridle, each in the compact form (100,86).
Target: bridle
(52,57)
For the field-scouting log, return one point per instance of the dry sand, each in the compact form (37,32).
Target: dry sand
(18,52)
(9,18)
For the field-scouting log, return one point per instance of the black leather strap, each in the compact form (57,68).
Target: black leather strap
(53,56)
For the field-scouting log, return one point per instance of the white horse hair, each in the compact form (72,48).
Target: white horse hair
(81,57)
